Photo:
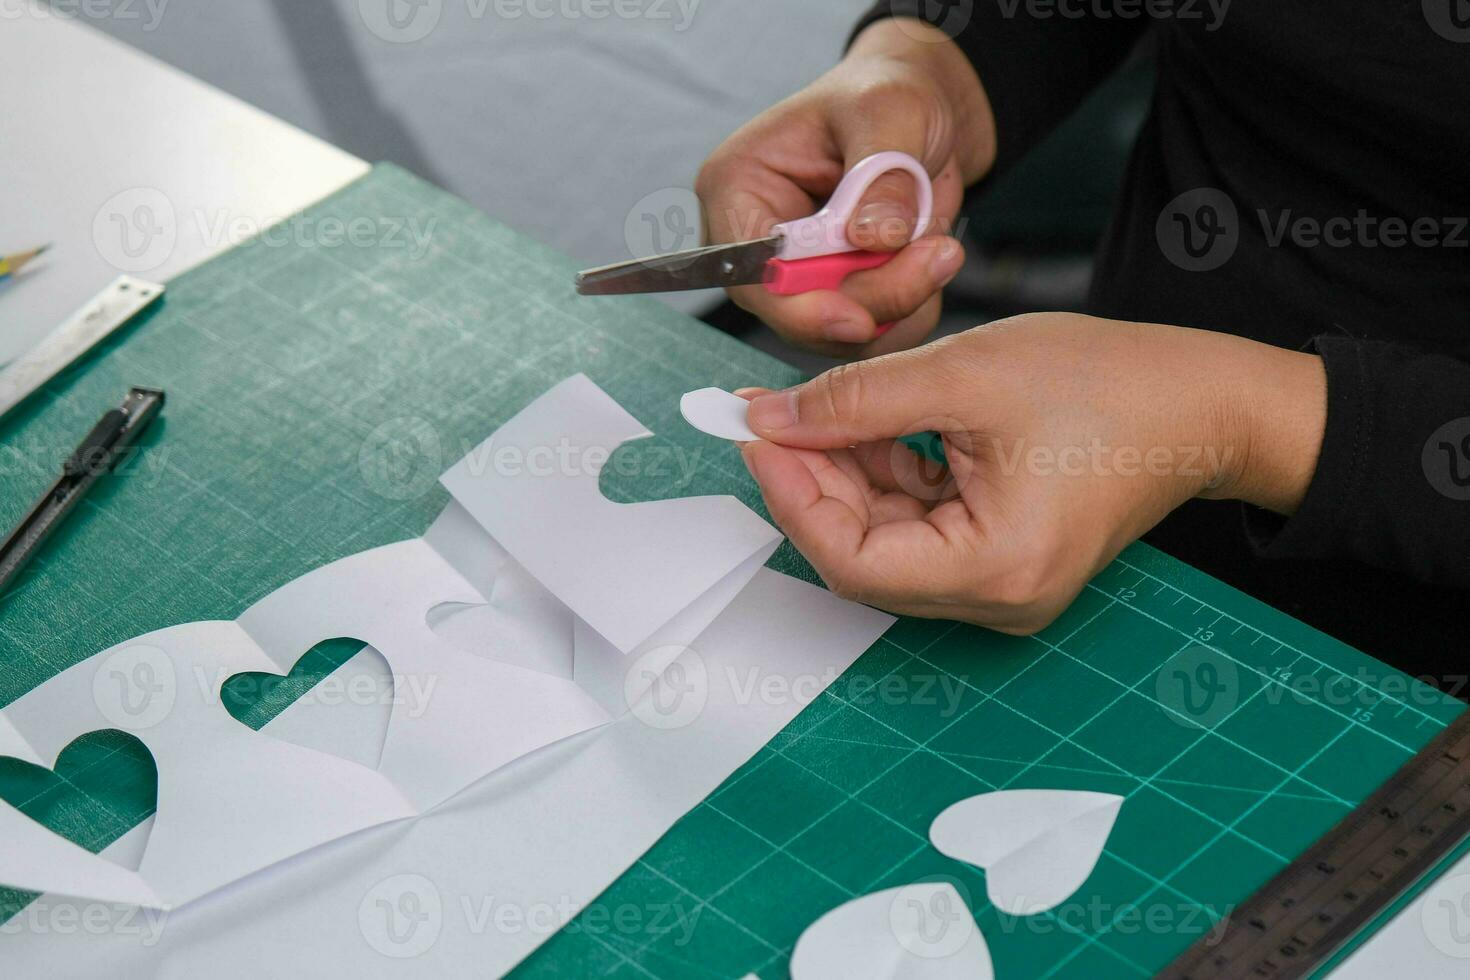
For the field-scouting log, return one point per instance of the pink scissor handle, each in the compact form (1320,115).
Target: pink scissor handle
(825,233)
(785,278)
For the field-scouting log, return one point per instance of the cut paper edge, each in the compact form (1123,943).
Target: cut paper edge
(497,837)
(233,801)
(584,548)
(1036,846)
(719,413)
(348,719)
(923,931)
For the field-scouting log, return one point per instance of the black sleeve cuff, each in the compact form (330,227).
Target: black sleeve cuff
(1392,485)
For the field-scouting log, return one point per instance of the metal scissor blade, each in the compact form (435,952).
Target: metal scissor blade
(718,266)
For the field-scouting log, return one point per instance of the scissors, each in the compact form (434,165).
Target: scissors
(798,256)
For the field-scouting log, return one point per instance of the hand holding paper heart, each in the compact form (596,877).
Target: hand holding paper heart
(1066,438)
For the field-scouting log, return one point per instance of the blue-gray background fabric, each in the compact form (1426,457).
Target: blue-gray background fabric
(556,116)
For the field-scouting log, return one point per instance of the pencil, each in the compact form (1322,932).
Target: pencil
(11,264)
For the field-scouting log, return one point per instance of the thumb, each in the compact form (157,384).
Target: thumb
(884,219)
(864,401)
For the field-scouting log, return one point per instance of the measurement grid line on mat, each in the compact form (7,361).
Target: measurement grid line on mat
(1278,682)
(1203,732)
(1191,723)
(775,848)
(851,796)
(265,322)
(1201,850)
(923,841)
(1092,938)
(1066,739)
(1424,715)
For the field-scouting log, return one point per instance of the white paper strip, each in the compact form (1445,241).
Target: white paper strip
(474,660)
(482,714)
(502,867)
(230,800)
(473,667)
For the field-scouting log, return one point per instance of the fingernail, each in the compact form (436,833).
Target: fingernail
(945,264)
(883,222)
(847,331)
(773,411)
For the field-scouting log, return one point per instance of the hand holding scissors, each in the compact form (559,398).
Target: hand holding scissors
(800,256)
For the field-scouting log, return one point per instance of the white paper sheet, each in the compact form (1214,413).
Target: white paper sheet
(1037,846)
(922,931)
(487,663)
(719,413)
(625,569)
(507,862)
(473,667)
(267,798)
(483,713)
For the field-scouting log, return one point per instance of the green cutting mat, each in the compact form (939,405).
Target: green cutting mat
(317,391)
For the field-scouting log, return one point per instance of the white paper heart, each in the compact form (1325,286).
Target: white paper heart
(922,931)
(718,413)
(1037,846)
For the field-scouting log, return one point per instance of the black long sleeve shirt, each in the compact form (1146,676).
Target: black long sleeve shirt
(1303,179)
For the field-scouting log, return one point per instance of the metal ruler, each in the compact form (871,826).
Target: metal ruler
(104,313)
(1299,918)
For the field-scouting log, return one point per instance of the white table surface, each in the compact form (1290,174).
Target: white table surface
(1428,940)
(94,134)
(567,127)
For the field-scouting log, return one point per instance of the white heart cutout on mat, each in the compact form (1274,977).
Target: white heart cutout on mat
(922,931)
(1037,846)
(718,413)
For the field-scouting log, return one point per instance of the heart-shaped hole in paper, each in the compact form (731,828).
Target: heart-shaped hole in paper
(103,788)
(338,698)
(643,470)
